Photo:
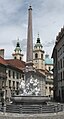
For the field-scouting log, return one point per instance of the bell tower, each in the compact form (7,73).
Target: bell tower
(38,55)
(17,52)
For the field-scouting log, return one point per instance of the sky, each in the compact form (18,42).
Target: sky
(47,17)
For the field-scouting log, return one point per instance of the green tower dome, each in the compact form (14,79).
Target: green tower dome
(38,43)
(18,46)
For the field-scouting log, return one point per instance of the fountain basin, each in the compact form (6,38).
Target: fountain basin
(30,99)
(32,105)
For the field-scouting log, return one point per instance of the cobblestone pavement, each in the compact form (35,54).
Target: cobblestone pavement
(59,115)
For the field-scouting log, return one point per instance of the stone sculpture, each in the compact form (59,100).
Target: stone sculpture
(29,88)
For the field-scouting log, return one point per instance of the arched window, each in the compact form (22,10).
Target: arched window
(36,55)
(20,58)
(49,68)
(14,57)
(41,56)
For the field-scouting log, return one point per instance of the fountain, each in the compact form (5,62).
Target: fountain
(29,100)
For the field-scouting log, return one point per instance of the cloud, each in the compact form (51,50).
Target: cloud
(48,43)
(48,18)
(9,11)
(8,35)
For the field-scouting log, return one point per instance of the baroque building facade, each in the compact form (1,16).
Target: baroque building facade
(49,75)
(58,58)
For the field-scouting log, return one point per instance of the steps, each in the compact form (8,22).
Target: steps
(32,108)
(48,109)
(12,108)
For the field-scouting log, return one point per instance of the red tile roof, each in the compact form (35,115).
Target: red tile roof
(16,63)
(13,62)
(2,61)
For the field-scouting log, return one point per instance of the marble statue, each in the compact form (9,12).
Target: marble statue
(29,88)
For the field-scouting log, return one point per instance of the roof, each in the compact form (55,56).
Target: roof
(2,61)
(40,72)
(13,62)
(48,60)
(16,63)
(38,43)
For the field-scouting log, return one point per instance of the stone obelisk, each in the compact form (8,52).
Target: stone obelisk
(29,60)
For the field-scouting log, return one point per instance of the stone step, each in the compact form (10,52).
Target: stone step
(12,108)
(32,108)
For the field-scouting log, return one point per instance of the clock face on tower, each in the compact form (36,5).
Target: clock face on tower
(36,61)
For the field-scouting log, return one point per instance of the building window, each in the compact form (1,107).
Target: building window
(13,74)
(41,56)
(14,57)
(20,76)
(13,84)
(60,63)
(61,76)
(46,87)
(9,83)
(50,89)
(49,68)
(20,58)
(17,85)
(36,55)
(17,76)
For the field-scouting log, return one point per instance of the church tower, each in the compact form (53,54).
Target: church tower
(17,52)
(29,60)
(38,55)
